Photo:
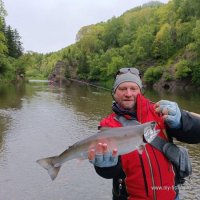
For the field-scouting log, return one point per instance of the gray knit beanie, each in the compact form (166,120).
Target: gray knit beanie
(127,77)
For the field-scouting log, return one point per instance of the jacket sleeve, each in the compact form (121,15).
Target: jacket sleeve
(109,172)
(189,131)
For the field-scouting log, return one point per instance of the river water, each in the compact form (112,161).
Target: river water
(38,120)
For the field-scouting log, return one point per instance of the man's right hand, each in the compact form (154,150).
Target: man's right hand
(101,157)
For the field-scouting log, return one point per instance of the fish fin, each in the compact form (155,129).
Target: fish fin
(47,164)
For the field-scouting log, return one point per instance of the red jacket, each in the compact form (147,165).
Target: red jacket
(149,175)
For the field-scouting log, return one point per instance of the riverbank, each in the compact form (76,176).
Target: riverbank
(161,85)
(175,85)
(168,86)
(87,83)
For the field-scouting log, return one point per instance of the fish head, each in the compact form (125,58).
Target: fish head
(150,132)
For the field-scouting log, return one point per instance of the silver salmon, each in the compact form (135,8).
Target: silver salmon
(124,139)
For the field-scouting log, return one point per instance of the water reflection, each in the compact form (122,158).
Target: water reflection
(11,96)
(39,120)
(186,100)
(4,123)
(89,100)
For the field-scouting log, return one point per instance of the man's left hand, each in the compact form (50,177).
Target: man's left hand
(170,111)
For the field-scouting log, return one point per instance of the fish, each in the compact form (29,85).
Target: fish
(124,139)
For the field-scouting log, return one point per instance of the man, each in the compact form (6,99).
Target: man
(147,173)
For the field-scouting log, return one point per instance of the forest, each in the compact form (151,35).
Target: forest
(162,40)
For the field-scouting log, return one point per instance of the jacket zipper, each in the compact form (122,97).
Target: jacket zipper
(152,176)
(144,175)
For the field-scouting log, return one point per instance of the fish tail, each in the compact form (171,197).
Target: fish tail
(47,164)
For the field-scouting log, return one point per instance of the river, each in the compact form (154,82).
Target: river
(39,120)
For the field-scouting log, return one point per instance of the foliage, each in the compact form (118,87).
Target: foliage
(143,42)
(182,69)
(196,74)
(7,71)
(3,12)
(153,74)
(163,44)
(3,64)
(196,35)
(14,44)
(10,49)
(3,46)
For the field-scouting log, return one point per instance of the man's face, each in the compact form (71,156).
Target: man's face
(125,95)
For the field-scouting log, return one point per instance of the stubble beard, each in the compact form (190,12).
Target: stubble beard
(128,105)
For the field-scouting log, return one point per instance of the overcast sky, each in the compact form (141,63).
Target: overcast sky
(50,25)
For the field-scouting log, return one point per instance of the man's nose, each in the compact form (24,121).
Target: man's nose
(128,92)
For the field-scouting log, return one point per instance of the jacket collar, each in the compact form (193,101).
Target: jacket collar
(122,112)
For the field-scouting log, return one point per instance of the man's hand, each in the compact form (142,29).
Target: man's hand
(170,111)
(101,157)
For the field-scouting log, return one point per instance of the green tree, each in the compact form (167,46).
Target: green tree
(187,9)
(3,12)
(125,37)
(89,38)
(128,54)
(143,42)
(116,63)
(3,64)
(183,33)
(112,31)
(196,35)
(196,74)
(83,69)
(3,47)
(13,42)
(164,46)
(95,64)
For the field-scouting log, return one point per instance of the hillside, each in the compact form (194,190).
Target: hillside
(162,40)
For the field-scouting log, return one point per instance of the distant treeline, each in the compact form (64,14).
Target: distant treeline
(162,40)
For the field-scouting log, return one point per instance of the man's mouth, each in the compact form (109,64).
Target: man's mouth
(128,100)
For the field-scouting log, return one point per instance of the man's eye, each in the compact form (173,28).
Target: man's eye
(134,89)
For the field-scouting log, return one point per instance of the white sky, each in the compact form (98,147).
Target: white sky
(50,25)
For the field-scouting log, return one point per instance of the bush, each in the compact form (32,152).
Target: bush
(182,70)
(196,75)
(153,74)
(167,77)
(3,65)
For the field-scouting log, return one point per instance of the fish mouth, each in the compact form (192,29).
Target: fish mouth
(150,132)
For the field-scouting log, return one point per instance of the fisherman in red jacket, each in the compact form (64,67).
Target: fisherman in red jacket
(146,173)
